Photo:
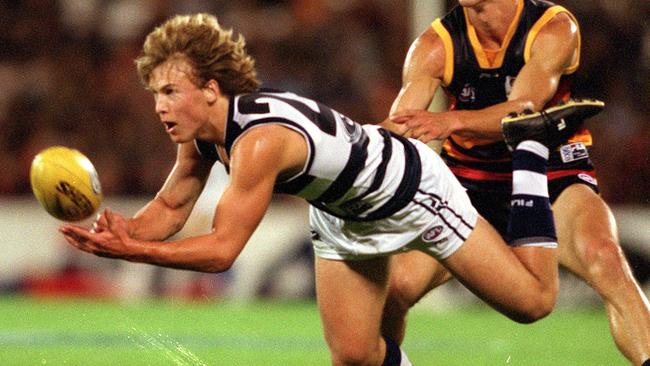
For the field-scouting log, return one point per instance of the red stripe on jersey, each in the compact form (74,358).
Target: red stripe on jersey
(474,174)
(480,174)
(556,174)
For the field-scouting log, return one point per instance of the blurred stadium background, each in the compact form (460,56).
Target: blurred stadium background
(68,78)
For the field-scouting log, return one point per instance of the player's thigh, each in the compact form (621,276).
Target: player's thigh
(414,274)
(582,218)
(484,252)
(487,266)
(351,296)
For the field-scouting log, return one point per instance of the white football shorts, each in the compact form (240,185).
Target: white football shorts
(437,221)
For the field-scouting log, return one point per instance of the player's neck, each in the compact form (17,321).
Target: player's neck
(491,19)
(215,129)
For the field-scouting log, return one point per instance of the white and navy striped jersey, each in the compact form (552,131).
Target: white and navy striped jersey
(353,172)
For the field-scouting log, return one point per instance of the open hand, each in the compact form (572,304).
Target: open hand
(108,238)
(424,125)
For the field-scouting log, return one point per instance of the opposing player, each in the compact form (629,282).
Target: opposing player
(493,57)
(373,194)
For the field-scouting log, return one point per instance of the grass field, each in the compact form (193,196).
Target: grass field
(84,332)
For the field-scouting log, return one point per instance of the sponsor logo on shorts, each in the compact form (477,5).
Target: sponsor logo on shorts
(588,178)
(430,235)
(573,152)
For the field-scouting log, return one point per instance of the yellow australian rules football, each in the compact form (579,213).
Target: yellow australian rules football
(65,183)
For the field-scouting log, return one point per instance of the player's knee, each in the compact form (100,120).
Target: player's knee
(603,257)
(402,294)
(537,306)
(535,312)
(356,354)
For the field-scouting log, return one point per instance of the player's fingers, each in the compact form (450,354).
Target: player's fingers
(426,138)
(72,241)
(110,220)
(401,116)
(417,131)
(100,223)
(84,245)
(399,120)
(76,230)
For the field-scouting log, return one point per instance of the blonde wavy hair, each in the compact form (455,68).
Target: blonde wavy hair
(211,50)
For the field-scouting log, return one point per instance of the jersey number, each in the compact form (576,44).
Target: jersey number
(324,117)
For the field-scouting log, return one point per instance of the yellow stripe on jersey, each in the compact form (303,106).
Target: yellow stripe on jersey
(541,22)
(481,57)
(449,51)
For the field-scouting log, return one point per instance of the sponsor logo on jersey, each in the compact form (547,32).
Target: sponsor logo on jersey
(468,94)
(489,75)
(430,235)
(573,152)
(588,178)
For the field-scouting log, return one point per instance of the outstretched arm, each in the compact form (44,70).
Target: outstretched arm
(256,161)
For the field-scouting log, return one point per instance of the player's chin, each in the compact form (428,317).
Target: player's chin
(180,139)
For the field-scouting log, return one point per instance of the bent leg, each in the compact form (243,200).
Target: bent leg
(519,282)
(518,279)
(413,275)
(588,246)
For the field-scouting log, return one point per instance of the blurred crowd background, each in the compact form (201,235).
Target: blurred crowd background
(67,78)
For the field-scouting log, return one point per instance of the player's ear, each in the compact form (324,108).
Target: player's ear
(212,91)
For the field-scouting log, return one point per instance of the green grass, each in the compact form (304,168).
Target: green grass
(84,332)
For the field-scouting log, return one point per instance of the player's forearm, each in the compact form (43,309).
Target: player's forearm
(416,94)
(203,253)
(158,220)
(486,123)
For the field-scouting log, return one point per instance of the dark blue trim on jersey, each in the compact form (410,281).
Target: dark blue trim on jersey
(323,118)
(233,130)
(295,185)
(207,150)
(344,181)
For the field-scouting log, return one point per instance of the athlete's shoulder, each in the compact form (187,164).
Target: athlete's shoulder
(554,32)
(547,12)
(426,55)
